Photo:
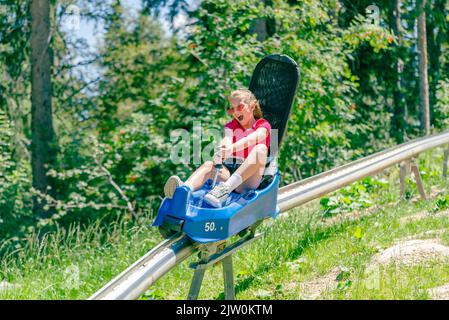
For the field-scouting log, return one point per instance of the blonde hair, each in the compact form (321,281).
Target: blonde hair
(247,96)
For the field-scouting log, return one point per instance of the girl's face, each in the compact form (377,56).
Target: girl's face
(242,112)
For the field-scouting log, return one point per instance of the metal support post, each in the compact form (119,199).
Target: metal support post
(446,155)
(404,167)
(195,286)
(419,184)
(213,253)
(228,275)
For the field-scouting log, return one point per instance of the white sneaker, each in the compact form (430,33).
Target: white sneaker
(170,186)
(217,196)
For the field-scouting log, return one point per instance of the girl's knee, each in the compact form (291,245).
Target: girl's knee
(261,152)
(261,149)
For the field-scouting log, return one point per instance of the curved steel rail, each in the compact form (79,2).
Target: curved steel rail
(135,280)
(314,187)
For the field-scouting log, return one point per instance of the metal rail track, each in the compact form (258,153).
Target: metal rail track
(135,280)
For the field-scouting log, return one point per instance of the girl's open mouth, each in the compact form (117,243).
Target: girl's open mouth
(240,117)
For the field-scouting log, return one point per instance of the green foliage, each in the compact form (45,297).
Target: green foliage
(441,203)
(74,261)
(322,126)
(88,193)
(14,47)
(221,51)
(14,185)
(362,33)
(302,249)
(343,279)
(442,105)
(135,64)
(356,196)
(218,54)
(114,129)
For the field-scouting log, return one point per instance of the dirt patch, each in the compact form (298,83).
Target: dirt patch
(435,191)
(412,252)
(409,252)
(414,217)
(423,215)
(426,234)
(5,286)
(439,293)
(314,288)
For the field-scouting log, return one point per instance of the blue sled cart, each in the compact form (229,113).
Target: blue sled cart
(274,83)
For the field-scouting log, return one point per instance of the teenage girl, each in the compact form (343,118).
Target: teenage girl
(243,152)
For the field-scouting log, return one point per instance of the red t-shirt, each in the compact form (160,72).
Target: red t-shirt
(238,132)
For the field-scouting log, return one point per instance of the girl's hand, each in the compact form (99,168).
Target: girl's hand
(222,153)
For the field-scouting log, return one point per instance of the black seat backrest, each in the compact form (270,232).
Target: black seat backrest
(274,83)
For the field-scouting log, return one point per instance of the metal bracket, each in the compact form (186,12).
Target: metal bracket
(411,165)
(446,155)
(211,254)
(404,167)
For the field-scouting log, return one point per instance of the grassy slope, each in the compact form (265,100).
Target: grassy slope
(295,248)
(350,246)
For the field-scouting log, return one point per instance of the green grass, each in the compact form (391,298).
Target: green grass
(75,263)
(351,246)
(295,249)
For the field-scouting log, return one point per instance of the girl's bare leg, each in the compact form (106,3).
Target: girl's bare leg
(247,176)
(252,168)
(204,172)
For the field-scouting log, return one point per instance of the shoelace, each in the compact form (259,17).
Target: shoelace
(219,190)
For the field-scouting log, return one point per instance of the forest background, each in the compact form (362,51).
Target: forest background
(85,128)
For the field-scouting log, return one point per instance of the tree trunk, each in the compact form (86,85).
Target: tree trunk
(42,144)
(435,38)
(423,69)
(399,121)
(264,28)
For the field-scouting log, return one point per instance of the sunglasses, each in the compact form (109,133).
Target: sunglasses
(237,108)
